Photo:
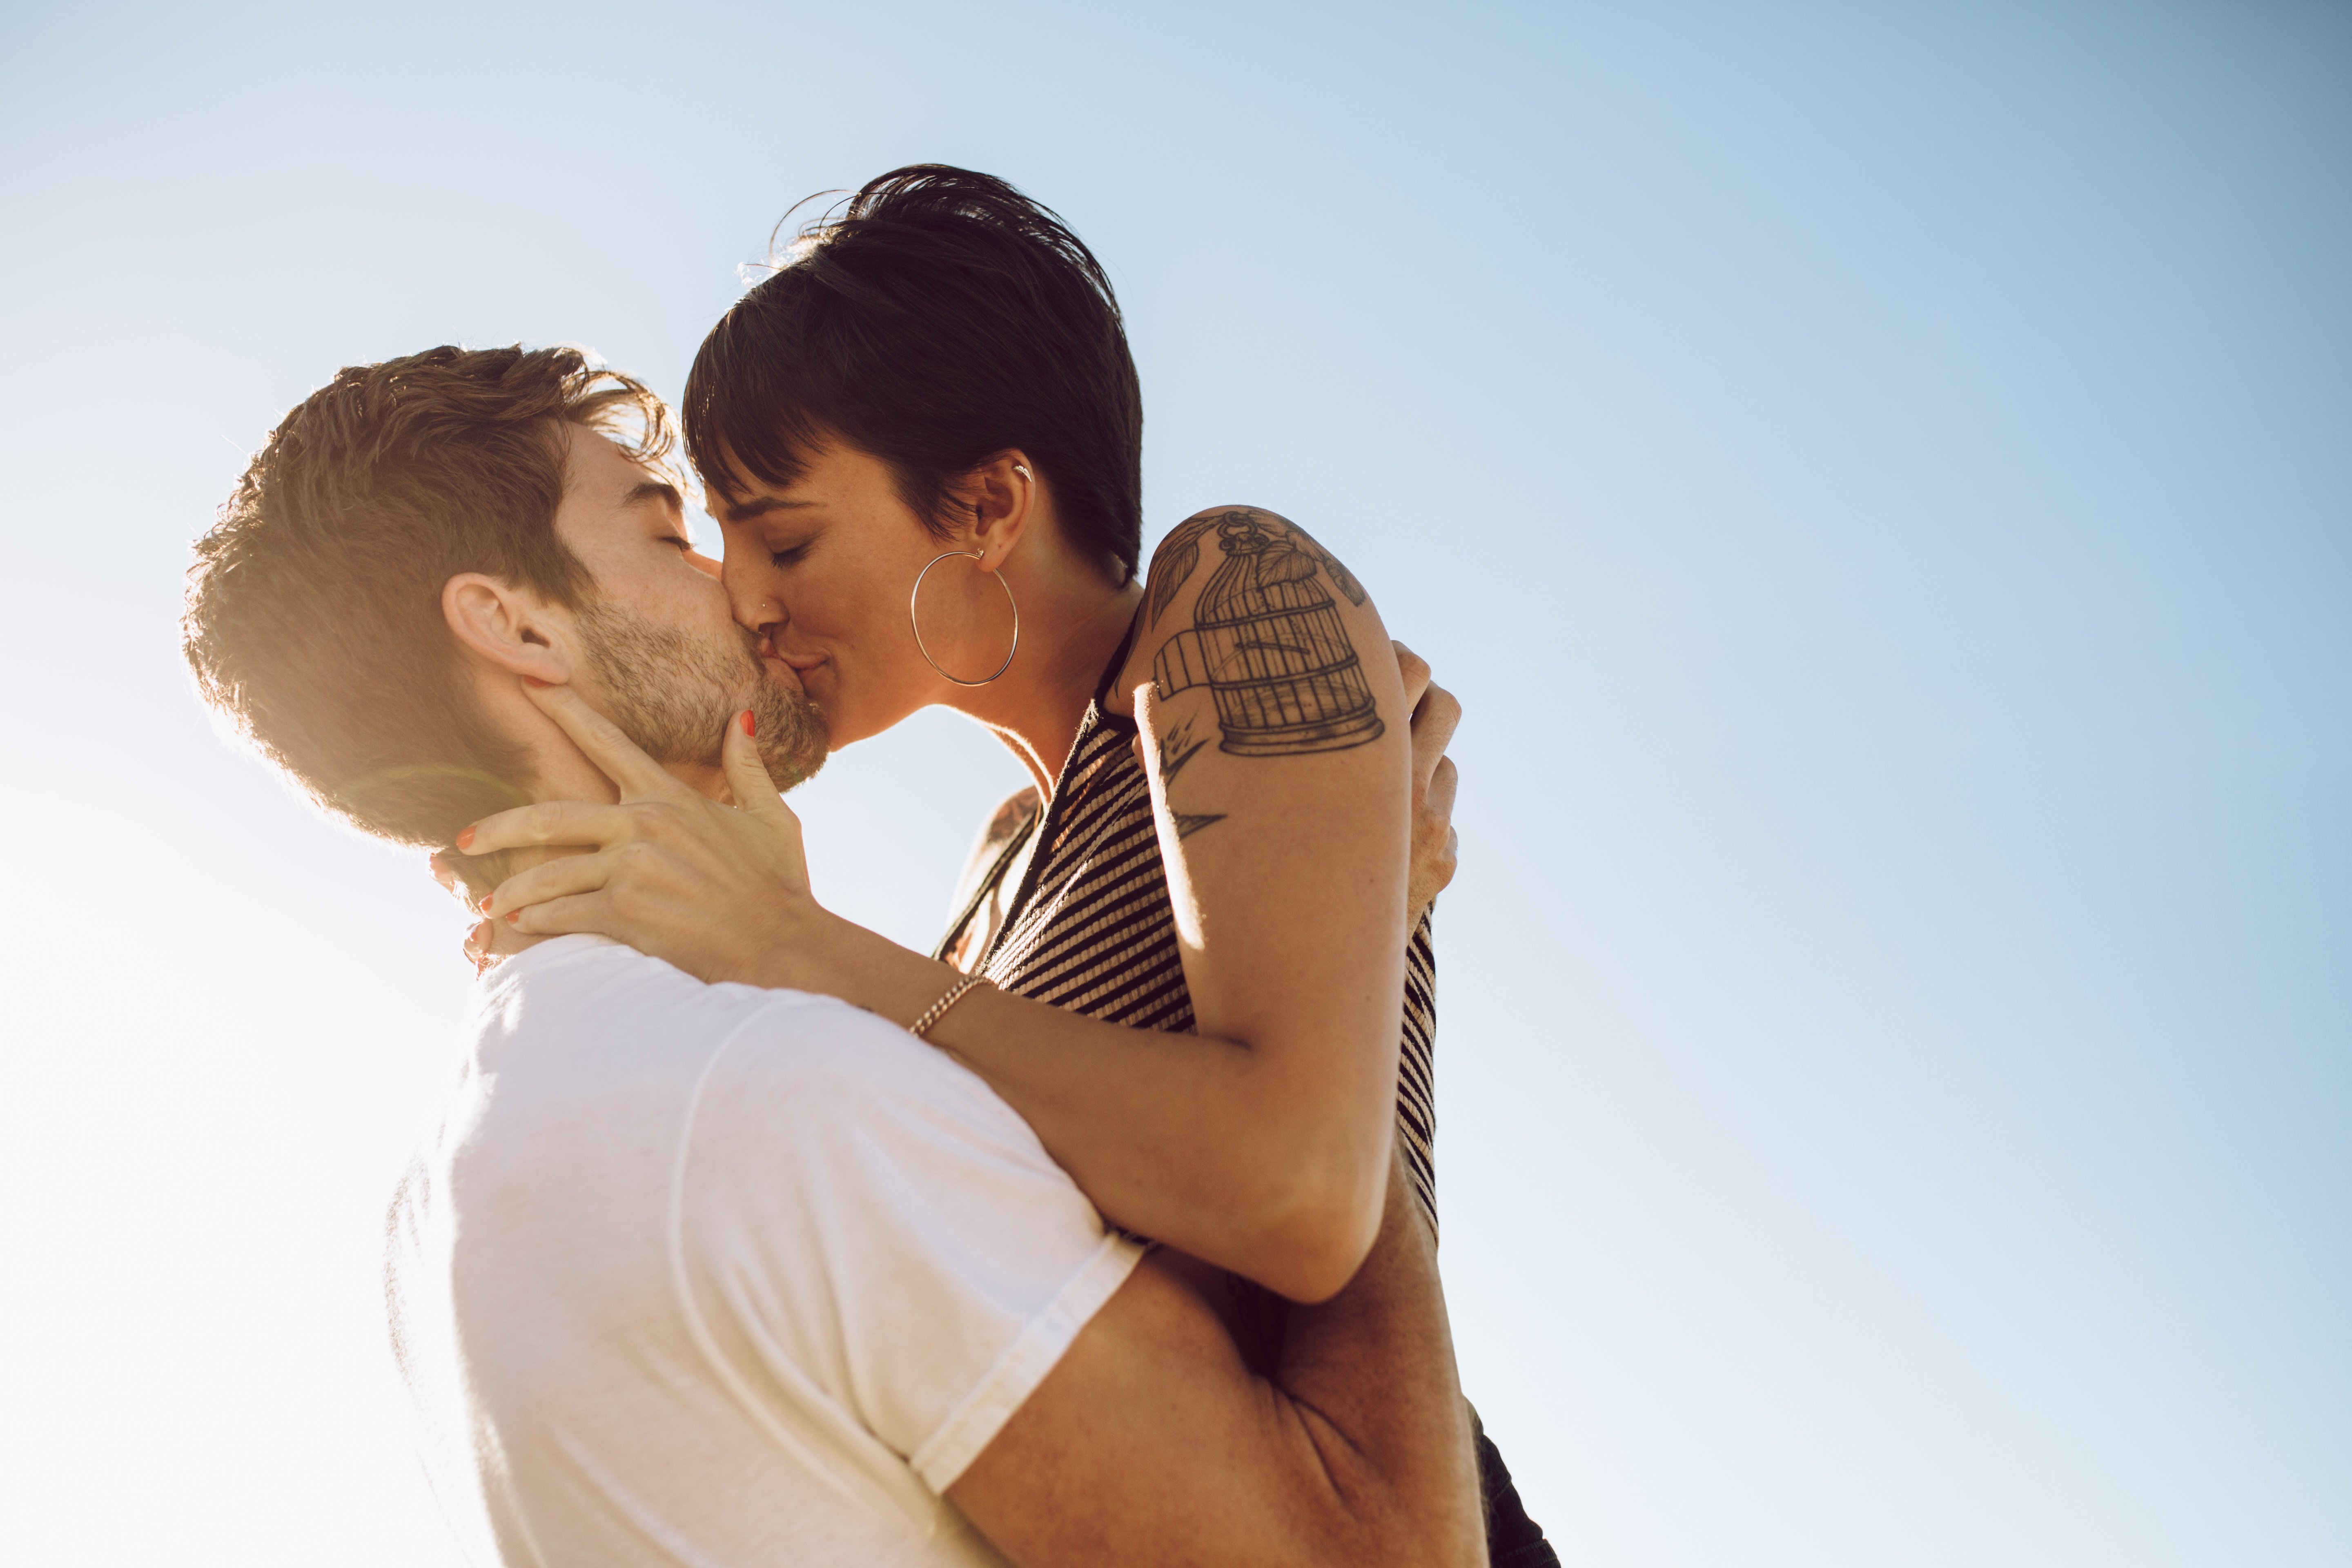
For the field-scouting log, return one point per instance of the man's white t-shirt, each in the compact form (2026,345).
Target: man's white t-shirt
(716,1276)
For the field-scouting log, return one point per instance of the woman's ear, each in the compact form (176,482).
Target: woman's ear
(505,627)
(1003,496)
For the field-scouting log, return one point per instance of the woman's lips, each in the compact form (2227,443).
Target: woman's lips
(798,663)
(783,674)
(766,640)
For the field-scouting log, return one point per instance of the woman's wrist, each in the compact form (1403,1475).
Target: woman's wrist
(841,958)
(900,984)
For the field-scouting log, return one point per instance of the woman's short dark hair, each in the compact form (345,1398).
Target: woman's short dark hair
(938,319)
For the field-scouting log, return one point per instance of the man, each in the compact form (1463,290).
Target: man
(707,1274)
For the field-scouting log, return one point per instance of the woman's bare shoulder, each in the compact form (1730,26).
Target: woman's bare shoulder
(1014,810)
(1267,550)
(1010,816)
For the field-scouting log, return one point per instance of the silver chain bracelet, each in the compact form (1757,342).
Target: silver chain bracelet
(938,1009)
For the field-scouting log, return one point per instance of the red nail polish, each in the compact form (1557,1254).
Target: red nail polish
(486,902)
(466,839)
(513,915)
(749,728)
(534,680)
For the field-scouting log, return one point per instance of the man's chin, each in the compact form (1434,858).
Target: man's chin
(790,732)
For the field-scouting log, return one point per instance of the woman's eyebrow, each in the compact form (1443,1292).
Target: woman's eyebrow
(760,506)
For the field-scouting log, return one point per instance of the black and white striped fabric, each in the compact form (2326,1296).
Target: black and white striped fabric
(1091,927)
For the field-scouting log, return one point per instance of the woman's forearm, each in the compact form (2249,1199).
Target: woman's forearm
(1269,1158)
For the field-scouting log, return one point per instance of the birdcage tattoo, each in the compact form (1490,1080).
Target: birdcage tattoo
(1269,645)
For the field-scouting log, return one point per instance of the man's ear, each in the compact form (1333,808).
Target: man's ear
(505,626)
(1002,497)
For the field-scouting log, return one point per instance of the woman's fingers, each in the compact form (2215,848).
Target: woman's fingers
(1413,670)
(777,842)
(639,776)
(1442,782)
(564,917)
(1433,722)
(1438,802)
(1433,713)
(748,779)
(1434,841)
(555,822)
(555,878)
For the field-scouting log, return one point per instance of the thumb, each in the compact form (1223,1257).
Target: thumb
(748,779)
(754,789)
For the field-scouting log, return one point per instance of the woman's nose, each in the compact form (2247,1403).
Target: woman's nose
(754,609)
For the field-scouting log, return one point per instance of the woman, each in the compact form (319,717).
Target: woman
(1180,954)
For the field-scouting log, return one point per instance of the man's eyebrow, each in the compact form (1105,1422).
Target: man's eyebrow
(654,489)
(760,506)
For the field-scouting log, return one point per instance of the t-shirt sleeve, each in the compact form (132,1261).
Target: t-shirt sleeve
(867,1219)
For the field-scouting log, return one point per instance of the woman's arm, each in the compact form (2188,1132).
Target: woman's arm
(1273,727)
(1261,1143)
(1277,724)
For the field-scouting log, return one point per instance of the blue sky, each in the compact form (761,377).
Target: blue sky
(1876,477)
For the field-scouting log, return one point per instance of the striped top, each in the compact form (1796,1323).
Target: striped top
(1070,905)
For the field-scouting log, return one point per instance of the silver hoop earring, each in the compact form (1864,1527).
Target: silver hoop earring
(917,625)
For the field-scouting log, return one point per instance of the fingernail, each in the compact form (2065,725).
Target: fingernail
(466,839)
(513,915)
(749,728)
(486,902)
(534,680)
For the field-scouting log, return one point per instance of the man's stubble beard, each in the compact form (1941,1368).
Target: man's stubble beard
(675,696)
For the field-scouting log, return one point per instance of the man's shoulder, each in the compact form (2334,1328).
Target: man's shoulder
(604,1061)
(585,1009)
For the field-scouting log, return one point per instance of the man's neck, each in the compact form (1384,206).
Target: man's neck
(505,941)
(569,775)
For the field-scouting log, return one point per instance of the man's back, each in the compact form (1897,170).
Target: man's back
(704,1274)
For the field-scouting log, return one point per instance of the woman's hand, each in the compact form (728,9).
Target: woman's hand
(1434,714)
(454,883)
(721,892)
